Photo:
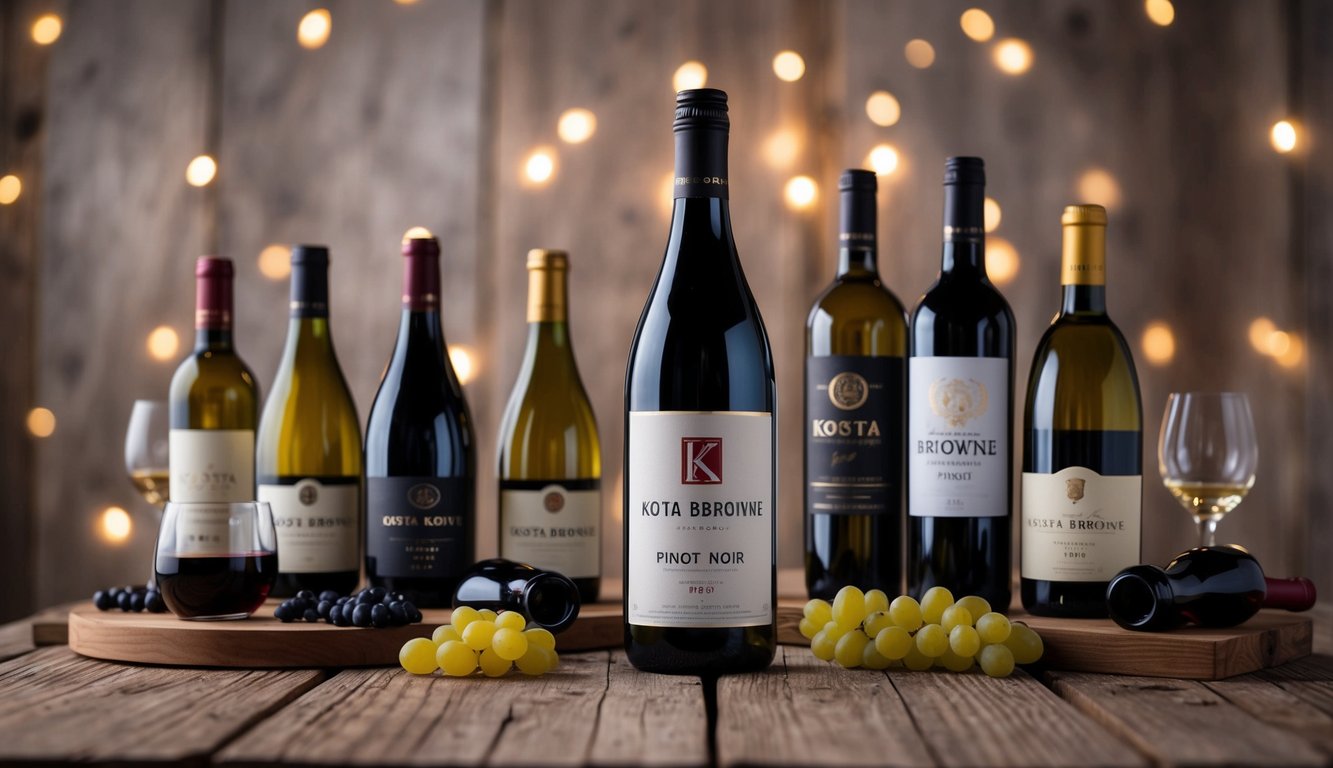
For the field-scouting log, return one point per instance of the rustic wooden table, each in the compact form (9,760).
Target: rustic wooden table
(58,708)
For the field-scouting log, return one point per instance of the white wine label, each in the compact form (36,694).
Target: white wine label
(212,464)
(553,528)
(317,525)
(1079,525)
(210,529)
(958,437)
(700,519)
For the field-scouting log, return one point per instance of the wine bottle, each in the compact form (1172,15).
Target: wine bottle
(1209,586)
(1082,493)
(550,458)
(960,411)
(214,401)
(855,381)
(420,452)
(545,598)
(309,448)
(700,440)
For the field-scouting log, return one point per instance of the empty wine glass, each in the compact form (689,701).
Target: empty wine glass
(146,450)
(1208,454)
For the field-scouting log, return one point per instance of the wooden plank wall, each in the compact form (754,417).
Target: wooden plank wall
(423,114)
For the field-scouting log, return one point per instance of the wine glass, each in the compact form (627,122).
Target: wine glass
(146,450)
(1208,454)
(216,560)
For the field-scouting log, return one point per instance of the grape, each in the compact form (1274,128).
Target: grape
(876,622)
(823,646)
(511,620)
(1024,643)
(819,611)
(835,630)
(379,616)
(932,640)
(933,604)
(488,614)
(955,662)
(418,656)
(444,633)
(361,615)
(873,659)
(540,637)
(536,661)
(509,643)
(976,606)
(462,616)
(893,643)
(456,659)
(917,661)
(993,628)
(849,649)
(996,660)
(808,628)
(477,634)
(493,664)
(964,641)
(876,600)
(906,613)
(849,607)
(955,616)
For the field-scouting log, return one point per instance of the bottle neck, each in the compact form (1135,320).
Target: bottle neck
(700,209)
(421,283)
(857,234)
(964,250)
(213,313)
(548,315)
(1296,594)
(1083,269)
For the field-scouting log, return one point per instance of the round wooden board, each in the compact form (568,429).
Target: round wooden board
(264,642)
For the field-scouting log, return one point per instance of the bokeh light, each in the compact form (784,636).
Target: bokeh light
(539,167)
(41,422)
(788,66)
(977,24)
(691,74)
(1160,12)
(1013,56)
(1294,355)
(883,159)
(1002,261)
(463,361)
(919,53)
(46,29)
(783,147)
(1159,343)
(201,171)
(314,29)
(1098,186)
(275,262)
(991,214)
(576,125)
(1277,344)
(1283,136)
(163,343)
(10,189)
(800,192)
(1260,329)
(883,108)
(115,525)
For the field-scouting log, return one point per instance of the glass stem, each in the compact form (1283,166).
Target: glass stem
(1208,532)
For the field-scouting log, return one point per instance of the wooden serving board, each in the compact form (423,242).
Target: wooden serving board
(1269,639)
(262,641)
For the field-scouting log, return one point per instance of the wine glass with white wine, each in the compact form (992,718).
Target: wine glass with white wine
(1208,454)
(146,450)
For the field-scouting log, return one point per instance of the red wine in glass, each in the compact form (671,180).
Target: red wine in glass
(216,586)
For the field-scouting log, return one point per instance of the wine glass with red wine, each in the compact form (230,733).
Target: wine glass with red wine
(216,560)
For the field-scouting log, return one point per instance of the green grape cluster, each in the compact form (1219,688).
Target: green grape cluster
(473,639)
(865,629)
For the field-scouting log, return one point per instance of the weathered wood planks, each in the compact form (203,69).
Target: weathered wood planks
(389,717)
(55,706)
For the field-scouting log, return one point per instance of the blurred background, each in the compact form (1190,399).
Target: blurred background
(136,135)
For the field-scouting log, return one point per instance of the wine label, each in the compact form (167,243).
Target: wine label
(317,521)
(553,525)
(1079,525)
(418,527)
(212,464)
(854,437)
(700,519)
(958,437)
(210,529)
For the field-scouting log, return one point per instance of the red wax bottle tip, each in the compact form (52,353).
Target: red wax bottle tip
(213,266)
(1296,594)
(421,246)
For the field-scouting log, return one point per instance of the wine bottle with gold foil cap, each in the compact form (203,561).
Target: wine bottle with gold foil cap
(1083,426)
(550,462)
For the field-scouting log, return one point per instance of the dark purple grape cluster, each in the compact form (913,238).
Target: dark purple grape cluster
(373,607)
(131,598)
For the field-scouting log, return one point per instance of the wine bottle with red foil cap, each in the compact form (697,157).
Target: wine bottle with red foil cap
(1209,586)
(420,452)
(214,401)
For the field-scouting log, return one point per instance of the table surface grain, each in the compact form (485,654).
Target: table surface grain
(59,708)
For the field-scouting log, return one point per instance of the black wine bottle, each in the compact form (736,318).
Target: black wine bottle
(700,439)
(1209,586)
(545,598)
(960,411)
(420,452)
(855,378)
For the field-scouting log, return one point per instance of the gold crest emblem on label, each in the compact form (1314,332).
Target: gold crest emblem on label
(848,391)
(1074,488)
(958,401)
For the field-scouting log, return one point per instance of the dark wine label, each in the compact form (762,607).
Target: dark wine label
(854,434)
(418,527)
